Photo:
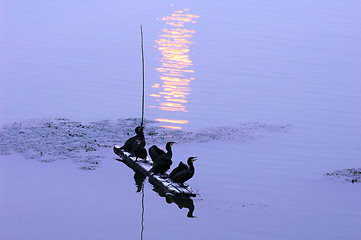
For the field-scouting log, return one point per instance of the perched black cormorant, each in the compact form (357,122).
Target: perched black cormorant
(181,166)
(161,160)
(185,175)
(128,145)
(139,151)
(158,154)
(155,152)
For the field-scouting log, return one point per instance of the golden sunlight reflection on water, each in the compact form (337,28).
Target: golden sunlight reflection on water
(176,67)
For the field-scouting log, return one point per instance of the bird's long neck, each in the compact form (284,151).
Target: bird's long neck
(169,150)
(191,166)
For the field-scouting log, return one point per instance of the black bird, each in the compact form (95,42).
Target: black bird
(155,152)
(181,166)
(185,175)
(128,145)
(139,151)
(161,160)
(158,154)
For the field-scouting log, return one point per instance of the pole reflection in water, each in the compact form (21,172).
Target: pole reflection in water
(176,71)
(142,222)
(139,182)
(180,201)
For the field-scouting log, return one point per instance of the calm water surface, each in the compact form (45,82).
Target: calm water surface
(208,63)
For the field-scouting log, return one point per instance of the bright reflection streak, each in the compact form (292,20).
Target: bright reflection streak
(171,127)
(173,43)
(172,121)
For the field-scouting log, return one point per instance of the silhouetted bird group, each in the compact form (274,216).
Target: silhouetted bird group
(162,160)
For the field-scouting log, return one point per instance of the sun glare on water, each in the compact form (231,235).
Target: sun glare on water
(175,67)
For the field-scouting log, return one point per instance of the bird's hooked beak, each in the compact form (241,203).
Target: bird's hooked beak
(172,143)
(194,159)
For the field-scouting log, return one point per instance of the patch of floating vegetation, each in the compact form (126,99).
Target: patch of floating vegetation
(54,139)
(352,175)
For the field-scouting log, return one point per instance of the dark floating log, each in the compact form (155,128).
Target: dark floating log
(161,180)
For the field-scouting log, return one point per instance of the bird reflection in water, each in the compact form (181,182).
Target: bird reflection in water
(139,180)
(176,71)
(180,201)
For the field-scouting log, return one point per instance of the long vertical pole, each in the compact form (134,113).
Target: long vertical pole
(141,34)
